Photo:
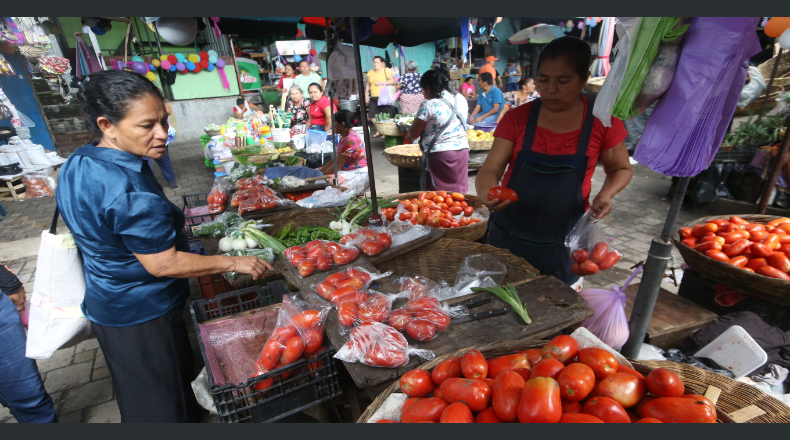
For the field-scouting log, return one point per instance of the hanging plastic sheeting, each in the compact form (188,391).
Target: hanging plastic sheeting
(601,66)
(627,29)
(86,59)
(687,127)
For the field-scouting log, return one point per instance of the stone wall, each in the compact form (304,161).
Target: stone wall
(67,127)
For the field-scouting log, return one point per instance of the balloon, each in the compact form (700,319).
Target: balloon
(163,57)
(165,65)
(203,64)
(138,58)
(587,21)
(313,52)
(567,30)
(138,67)
(562,25)
(98,31)
(220,63)
(193,57)
(212,59)
(203,55)
(178,31)
(181,58)
(764,22)
(776,26)
(197,69)
(151,66)
(784,39)
(593,24)
(297,58)
(210,67)
(151,76)
(156,62)
(598,19)
(212,53)
(172,59)
(581,24)
(569,24)
(190,65)
(180,66)
(172,68)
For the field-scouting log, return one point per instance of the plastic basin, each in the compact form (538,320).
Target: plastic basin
(735,350)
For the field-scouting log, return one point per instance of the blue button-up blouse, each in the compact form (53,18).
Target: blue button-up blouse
(114,207)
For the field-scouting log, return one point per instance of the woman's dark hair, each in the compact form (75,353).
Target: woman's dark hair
(435,82)
(575,50)
(380,59)
(469,78)
(512,60)
(108,93)
(303,61)
(240,101)
(345,117)
(523,81)
(317,85)
(487,78)
(293,66)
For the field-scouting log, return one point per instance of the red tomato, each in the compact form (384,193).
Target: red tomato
(779,261)
(335,278)
(424,409)
(607,410)
(540,401)
(717,255)
(756,263)
(456,210)
(738,248)
(307,319)
(409,402)
(562,348)
(352,282)
(474,365)
(685,233)
(648,420)
(506,394)
(690,242)
(626,389)
(626,369)
(447,369)
(421,330)
(507,363)
(611,259)
(324,262)
(325,290)
(387,421)
(571,407)
(475,393)
(601,361)
(758,236)
(417,383)
(347,314)
(739,261)
(737,220)
(770,271)
(576,269)
(576,381)
(306,268)
(704,247)
(579,418)
(457,413)
(346,256)
(679,410)
(374,309)
(533,355)
(702,399)
(313,339)
(599,253)
(665,383)
(293,349)
(270,356)
(399,319)
(547,368)
(438,317)
(498,192)
(488,416)
(579,255)
(589,268)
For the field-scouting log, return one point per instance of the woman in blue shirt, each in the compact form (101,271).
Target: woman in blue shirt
(136,256)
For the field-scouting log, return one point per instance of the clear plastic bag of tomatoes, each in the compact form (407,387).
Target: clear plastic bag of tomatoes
(251,182)
(218,196)
(251,192)
(360,307)
(38,184)
(319,255)
(424,318)
(417,285)
(379,345)
(354,279)
(370,240)
(261,202)
(298,334)
(590,248)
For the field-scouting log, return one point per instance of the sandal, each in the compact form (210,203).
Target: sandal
(377,135)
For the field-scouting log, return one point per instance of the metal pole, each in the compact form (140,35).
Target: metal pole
(657,257)
(364,107)
(162,75)
(770,84)
(331,101)
(148,37)
(776,168)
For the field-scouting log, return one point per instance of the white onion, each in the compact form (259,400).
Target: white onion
(226,244)
(251,244)
(239,243)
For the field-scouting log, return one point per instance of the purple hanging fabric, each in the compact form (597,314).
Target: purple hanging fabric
(91,63)
(686,128)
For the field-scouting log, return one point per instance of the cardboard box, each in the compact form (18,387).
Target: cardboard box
(455,74)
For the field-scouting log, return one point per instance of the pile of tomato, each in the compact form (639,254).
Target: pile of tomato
(437,209)
(753,247)
(217,199)
(319,255)
(371,241)
(590,262)
(555,384)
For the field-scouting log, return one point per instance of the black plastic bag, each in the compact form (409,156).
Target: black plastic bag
(674,355)
(711,184)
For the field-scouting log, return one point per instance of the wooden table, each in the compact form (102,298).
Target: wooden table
(673,318)
(551,304)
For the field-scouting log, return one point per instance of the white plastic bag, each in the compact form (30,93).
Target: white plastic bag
(627,29)
(753,89)
(479,271)
(203,392)
(329,197)
(609,322)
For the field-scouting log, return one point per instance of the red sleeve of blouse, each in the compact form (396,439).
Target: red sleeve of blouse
(613,135)
(280,84)
(508,128)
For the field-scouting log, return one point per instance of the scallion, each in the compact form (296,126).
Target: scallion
(509,295)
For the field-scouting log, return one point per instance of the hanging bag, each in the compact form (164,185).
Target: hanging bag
(56,319)
(387,94)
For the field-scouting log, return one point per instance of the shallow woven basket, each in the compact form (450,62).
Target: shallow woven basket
(480,146)
(388,129)
(758,286)
(757,104)
(734,395)
(213,132)
(451,253)
(471,232)
(397,156)
(767,67)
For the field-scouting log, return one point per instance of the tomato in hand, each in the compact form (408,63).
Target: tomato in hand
(562,348)
(540,401)
(417,383)
(665,383)
(474,365)
(625,389)
(601,361)
(506,394)
(498,192)
(447,369)
(576,382)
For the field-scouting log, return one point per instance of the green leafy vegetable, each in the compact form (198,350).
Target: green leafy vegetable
(509,295)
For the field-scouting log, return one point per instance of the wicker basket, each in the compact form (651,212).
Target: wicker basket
(397,156)
(754,285)
(767,67)
(451,252)
(480,145)
(213,132)
(471,232)
(263,158)
(734,395)
(388,129)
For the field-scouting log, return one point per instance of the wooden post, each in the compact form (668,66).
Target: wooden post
(235,64)
(770,84)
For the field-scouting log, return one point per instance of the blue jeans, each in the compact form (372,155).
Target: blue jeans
(21,387)
(512,87)
(491,118)
(165,165)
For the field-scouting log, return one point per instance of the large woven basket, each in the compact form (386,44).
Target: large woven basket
(213,132)
(480,145)
(758,286)
(734,395)
(783,70)
(471,232)
(440,260)
(388,129)
(398,156)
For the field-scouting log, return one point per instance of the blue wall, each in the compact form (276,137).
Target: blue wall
(23,98)
(422,54)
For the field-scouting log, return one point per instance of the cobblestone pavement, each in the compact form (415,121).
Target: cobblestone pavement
(78,379)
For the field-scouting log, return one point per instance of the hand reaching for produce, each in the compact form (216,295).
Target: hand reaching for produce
(251,265)
(601,206)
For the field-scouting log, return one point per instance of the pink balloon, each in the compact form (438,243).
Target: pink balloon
(166,65)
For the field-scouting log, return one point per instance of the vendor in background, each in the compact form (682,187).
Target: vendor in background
(307,76)
(513,74)
(468,87)
(550,148)
(136,255)
(490,102)
(298,107)
(488,67)
(244,109)
(525,94)
(440,126)
(411,95)
(379,77)
(290,73)
(318,117)
(351,157)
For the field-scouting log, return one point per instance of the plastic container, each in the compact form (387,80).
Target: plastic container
(485,126)
(315,137)
(735,350)
(193,201)
(309,383)
(213,285)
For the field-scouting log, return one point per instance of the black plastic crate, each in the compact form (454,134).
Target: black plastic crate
(408,180)
(196,247)
(740,154)
(195,201)
(307,382)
